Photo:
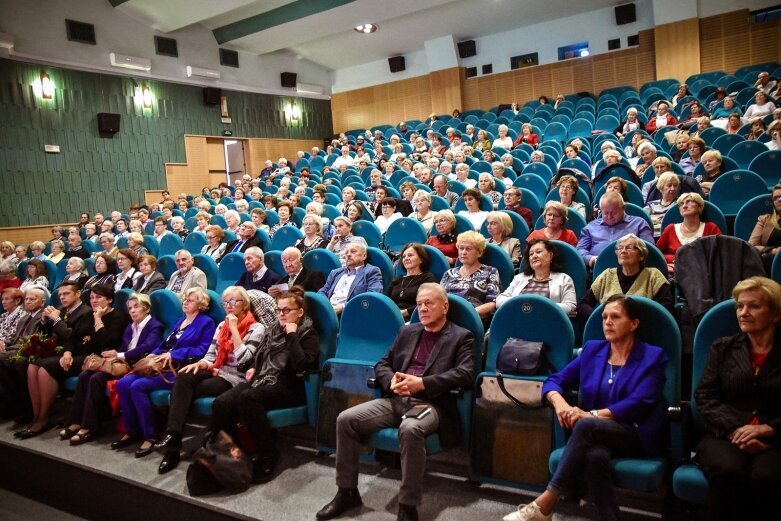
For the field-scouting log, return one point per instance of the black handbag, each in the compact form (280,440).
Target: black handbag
(219,465)
(520,357)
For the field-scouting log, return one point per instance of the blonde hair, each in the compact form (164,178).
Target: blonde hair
(770,288)
(504,221)
(201,297)
(667,177)
(472,237)
(559,207)
(143,300)
(694,196)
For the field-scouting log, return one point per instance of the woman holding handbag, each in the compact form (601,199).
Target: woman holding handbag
(621,381)
(189,340)
(233,345)
(290,346)
(139,338)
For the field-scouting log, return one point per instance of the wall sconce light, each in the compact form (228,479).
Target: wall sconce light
(47,87)
(293,112)
(146,97)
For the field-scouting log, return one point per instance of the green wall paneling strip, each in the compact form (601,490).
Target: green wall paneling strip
(100,174)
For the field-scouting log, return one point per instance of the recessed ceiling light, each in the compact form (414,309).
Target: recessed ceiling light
(366,28)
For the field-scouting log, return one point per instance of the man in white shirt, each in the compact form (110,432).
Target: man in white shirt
(344,159)
(355,278)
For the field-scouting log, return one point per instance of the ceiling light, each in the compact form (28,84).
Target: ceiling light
(366,28)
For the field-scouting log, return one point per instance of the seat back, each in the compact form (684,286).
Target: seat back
(230,270)
(574,266)
(377,257)
(151,245)
(166,265)
(166,308)
(194,242)
(319,309)
(369,324)
(170,243)
(321,260)
(498,258)
(286,236)
(215,310)
(369,231)
(732,190)
(532,318)
(710,213)
(273,259)
(403,231)
(209,267)
(748,214)
(438,264)
(768,166)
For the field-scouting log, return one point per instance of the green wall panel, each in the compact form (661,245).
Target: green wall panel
(94,173)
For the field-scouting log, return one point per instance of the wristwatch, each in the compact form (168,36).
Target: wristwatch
(594,412)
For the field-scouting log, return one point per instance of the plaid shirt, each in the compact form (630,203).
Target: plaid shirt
(264,307)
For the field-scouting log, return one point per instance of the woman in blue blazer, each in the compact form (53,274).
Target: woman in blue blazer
(621,381)
(141,336)
(188,341)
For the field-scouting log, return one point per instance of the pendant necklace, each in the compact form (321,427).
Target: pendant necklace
(610,380)
(411,277)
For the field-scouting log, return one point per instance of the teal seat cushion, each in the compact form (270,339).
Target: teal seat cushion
(388,439)
(286,417)
(204,405)
(690,484)
(71,383)
(635,474)
(160,398)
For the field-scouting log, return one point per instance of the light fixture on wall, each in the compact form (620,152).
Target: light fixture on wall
(292,112)
(47,88)
(366,28)
(146,97)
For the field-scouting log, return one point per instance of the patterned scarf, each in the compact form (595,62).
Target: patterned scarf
(447,238)
(225,340)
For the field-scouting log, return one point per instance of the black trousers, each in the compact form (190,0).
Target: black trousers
(90,402)
(13,385)
(742,485)
(188,387)
(248,405)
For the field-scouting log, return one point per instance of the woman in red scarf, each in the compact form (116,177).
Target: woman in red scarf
(234,344)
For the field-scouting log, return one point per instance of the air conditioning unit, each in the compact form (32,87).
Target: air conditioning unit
(130,62)
(200,72)
(309,88)
(6,41)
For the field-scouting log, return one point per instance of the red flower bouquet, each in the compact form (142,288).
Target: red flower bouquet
(37,346)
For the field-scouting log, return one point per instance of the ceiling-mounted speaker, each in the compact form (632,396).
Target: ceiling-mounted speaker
(467,49)
(625,14)
(289,79)
(211,96)
(396,63)
(108,123)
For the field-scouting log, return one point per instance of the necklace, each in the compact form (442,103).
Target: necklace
(403,287)
(611,379)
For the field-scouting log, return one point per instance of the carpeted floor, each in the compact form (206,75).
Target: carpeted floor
(304,484)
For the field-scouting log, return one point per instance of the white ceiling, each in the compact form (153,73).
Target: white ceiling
(328,38)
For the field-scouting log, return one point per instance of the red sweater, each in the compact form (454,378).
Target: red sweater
(668,243)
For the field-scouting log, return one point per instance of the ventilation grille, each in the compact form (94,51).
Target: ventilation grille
(524,60)
(488,69)
(471,72)
(80,32)
(229,58)
(166,47)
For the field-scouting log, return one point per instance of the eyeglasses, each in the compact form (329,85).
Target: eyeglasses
(777,197)
(628,247)
(232,302)
(285,311)
(211,236)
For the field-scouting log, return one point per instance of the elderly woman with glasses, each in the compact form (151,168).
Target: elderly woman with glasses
(214,246)
(568,189)
(290,346)
(631,277)
(692,228)
(445,239)
(312,226)
(235,343)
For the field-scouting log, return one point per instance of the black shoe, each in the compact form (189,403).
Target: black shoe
(343,501)
(264,467)
(407,513)
(123,442)
(170,461)
(171,440)
(27,433)
(142,453)
(24,419)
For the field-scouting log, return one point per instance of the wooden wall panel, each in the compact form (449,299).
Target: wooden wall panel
(678,49)
(733,40)
(446,85)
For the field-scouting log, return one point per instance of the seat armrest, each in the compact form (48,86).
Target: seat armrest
(371,383)
(306,373)
(458,392)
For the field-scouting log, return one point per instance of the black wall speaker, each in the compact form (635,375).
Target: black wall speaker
(289,79)
(625,14)
(108,123)
(211,96)
(396,64)
(467,49)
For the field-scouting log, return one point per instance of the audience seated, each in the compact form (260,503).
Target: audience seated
(246,239)
(661,119)
(445,239)
(568,189)
(631,277)
(408,376)
(542,275)
(312,227)
(473,213)
(186,276)
(500,228)
(342,238)
(36,275)
(476,282)
(766,236)
(296,274)
(258,275)
(611,421)
(760,108)
(403,290)
(614,223)
(354,278)
(668,184)
(150,279)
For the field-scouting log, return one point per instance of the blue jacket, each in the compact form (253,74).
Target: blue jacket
(636,395)
(194,342)
(149,338)
(368,279)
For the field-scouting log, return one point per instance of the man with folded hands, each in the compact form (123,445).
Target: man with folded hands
(426,361)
